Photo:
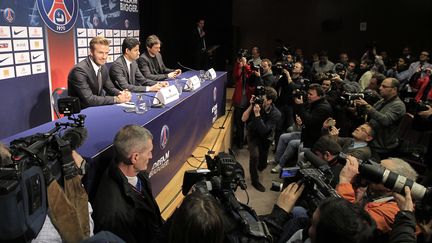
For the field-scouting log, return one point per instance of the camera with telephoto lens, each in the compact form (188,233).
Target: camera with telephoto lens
(258,95)
(316,181)
(223,176)
(375,173)
(23,195)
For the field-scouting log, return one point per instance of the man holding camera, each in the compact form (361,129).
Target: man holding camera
(262,117)
(313,114)
(379,202)
(124,203)
(385,116)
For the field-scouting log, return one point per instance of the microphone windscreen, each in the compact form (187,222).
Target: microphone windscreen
(76,136)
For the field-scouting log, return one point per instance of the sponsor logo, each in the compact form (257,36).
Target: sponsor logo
(59,15)
(164,137)
(18,32)
(36,56)
(81,32)
(7,72)
(35,31)
(4,59)
(9,15)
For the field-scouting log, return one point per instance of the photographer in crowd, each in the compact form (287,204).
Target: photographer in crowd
(265,73)
(377,199)
(290,81)
(322,66)
(384,116)
(312,114)
(261,117)
(244,88)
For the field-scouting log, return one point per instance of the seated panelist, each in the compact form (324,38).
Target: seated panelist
(124,71)
(89,79)
(151,64)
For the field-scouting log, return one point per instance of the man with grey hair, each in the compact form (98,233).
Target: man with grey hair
(150,63)
(124,203)
(380,203)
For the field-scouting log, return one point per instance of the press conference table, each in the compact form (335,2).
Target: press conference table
(177,128)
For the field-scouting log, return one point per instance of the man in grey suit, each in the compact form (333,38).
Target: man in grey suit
(151,64)
(124,71)
(89,79)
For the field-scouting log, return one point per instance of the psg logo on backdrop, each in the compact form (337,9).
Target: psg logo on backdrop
(164,137)
(9,15)
(59,15)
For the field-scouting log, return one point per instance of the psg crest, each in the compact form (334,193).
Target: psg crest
(164,137)
(59,15)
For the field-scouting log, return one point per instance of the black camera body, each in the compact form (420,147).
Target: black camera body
(258,95)
(316,181)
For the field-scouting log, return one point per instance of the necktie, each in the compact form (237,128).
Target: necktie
(99,79)
(130,74)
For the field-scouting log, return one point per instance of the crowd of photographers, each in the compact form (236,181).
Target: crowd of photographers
(335,129)
(339,118)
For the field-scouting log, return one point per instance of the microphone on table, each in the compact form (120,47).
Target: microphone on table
(187,68)
(188,88)
(158,105)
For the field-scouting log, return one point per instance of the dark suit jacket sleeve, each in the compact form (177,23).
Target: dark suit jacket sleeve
(109,85)
(78,84)
(118,76)
(139,78)
(146,69)
(162,64)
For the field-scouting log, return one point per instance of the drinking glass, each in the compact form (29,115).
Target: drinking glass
(179,86)
(140,105)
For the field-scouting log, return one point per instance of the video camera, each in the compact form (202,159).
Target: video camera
(23,196)
(316,181)
(223,176)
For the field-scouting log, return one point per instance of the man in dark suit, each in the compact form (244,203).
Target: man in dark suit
(124,202)
(151,64)
(124,71)
(89,79)
(199,46)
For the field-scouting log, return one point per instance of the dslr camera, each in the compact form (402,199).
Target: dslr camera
(414,107)
(243,53)
(258,95)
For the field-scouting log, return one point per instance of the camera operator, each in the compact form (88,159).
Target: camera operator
(68,218)
(124,202)
(385,116)
(313,114)
(335,220)
(416,69)
(377,199)
(265,73)
(262,117)
(198,219)
(285,86)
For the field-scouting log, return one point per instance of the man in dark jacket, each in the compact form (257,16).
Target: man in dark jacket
(150,63)
(124,203)
(124,71)
(262,117)
(313,114)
